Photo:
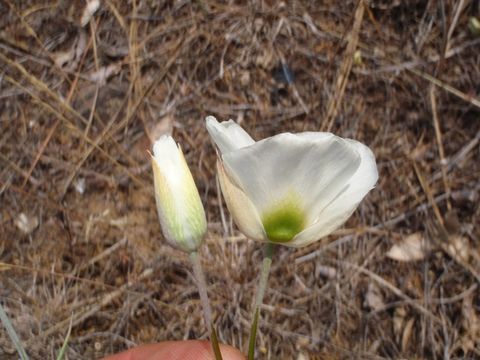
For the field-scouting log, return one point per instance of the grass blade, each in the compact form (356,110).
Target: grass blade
(12,334)
(215,346)
(61,352)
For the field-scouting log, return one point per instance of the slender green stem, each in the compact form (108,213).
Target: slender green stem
(61,352)
(207,311)
(253,335)
(202,289)
(267,262)
(215,346)
(12,334)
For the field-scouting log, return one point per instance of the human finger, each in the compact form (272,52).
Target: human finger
(178,350)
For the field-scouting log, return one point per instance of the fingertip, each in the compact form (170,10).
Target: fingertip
(178,350)
(231,353)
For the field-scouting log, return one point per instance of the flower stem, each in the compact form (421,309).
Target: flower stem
(267,262)
(202,289)
(207,311)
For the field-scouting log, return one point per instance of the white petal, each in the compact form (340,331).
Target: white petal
(179,206)
(313,170)
(227,135)
(168,158)
(315,136)
(241,208)
(338,211)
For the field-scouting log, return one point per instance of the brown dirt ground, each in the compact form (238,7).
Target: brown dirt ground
(80,241)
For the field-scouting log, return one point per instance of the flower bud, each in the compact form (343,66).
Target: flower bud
(179,207)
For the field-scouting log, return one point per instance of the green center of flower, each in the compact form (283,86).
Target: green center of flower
(284,220)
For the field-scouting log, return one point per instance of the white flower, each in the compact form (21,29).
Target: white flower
(180,209)
(291,189)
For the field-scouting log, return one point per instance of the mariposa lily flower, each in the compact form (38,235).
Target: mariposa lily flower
(291,189)
(180,209)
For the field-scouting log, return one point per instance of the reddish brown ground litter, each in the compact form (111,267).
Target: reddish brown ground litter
(80,244)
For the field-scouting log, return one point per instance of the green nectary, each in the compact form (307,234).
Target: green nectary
(284,220)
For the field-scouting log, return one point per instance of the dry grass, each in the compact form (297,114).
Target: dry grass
(79,106)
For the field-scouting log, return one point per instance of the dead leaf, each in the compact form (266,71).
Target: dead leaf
(80,185)
(412,248)
(302,356)
(374,298)
(459,248)
(470,324)
(264,59)
(407,334)
(71,57)
(452,222)
(61,58)
(302,341)
(357,57)
(245,78)
(326,271)
(90,9)
(104,73)
(80,47)
(398,320)
(25,223)
(471,321)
